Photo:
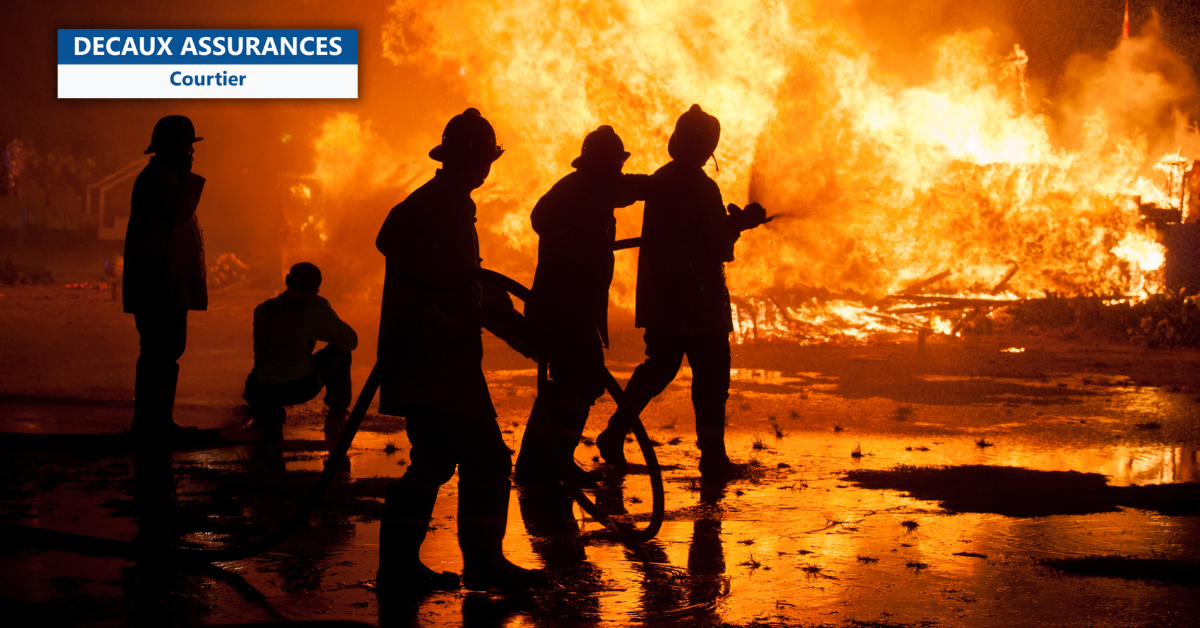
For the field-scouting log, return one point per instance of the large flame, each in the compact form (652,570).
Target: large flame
(892,184)
(880,183)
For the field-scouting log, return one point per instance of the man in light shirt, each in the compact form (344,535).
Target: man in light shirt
(286,371)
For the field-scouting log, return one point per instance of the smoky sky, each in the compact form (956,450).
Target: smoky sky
(1051,32)
(243,147)
(244,154)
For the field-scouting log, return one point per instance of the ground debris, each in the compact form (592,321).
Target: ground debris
(1019,492)
(1159,569)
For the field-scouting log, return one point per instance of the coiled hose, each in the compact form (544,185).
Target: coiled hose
(626,533)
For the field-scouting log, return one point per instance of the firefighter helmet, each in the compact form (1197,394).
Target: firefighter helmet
(468,137)
(599,144)
(696,135)
(172,131)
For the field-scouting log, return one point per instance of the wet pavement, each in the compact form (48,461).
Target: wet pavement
(802,541)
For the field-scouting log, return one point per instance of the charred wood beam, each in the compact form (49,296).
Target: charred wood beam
(1012,270)
(928,308)
(900,321)
(627,243)
(925,283)
(961,302)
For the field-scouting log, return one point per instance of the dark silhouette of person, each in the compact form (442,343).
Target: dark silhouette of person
(664,592)
(706,561)
(431,351)
(682,301)
(164,271)
(555,537)
(286,371)
(151,585)
(576,229)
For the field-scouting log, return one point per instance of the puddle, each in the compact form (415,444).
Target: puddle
(801,541)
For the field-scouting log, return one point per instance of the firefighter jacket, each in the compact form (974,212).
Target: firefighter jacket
(687,237)
(430,348)
(286,330)
(576,229)
(164,247)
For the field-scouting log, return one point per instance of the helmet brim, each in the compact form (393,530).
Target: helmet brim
(154,148)
(584,160)
(442,154)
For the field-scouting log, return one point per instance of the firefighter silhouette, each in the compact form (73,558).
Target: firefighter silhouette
(164,271)
(430,350)
(576,229)
(688,236)
(286,371)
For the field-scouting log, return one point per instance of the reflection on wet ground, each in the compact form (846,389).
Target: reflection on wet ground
(815,535)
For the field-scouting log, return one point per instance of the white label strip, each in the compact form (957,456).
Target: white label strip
(180,81)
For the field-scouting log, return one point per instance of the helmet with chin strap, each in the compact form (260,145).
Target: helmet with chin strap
(696,135)
(600,145)
(468,137)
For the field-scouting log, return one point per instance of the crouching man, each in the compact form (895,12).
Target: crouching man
(286,371)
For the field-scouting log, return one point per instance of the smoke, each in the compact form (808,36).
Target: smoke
(1142,87)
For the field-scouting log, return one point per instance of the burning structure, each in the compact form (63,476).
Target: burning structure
(892,158)
(954,175)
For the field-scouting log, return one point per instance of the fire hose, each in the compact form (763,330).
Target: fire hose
(627,533)
(29,536)
(16,534)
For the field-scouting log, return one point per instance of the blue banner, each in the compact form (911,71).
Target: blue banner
(192,46)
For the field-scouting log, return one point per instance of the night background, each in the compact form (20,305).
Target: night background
(965,352)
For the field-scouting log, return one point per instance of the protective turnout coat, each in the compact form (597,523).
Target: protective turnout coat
(687,238)
(164,247)
(576,229)
(429,330)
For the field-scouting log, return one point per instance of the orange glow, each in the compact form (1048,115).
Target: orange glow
(880,182)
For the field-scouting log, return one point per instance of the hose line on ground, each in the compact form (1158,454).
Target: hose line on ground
(16,534)
(628,534)
(29,536)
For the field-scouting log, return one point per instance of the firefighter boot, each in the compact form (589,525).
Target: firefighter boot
(335,420)
(611,441)
(571,416)
(534,465)
(710,438)
(482,519)
(407,511)
(154,403)
(271,418)
(550,439)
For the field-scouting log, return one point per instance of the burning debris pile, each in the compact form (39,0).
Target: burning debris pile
(907,205)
